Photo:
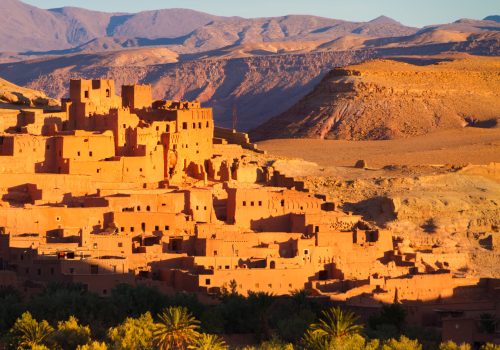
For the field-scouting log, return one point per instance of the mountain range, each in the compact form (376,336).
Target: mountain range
(260,66)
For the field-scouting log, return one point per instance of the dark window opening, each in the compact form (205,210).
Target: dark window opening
(108,93)
(86,94)
(185,125)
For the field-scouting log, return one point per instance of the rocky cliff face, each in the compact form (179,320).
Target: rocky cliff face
(385,99)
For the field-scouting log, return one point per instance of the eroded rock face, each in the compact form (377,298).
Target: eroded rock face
(385,99)
(15,95)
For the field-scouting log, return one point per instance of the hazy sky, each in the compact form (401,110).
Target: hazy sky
(409,12)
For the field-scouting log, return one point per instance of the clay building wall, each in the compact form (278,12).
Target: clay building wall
(200,204)
(42,188)
(137,96)
(43,219)
(8,118)
(275,281)
(26,154)
(149,222)
(267,209)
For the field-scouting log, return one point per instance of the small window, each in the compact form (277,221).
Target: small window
(282,202)
(157,128)
(260,203)
(199,125)
(306,251)
(148,208)
(185,125)
(120,244)
(138,208)
(108,93)
(207,281)
(226,267)
(157,228)
(167,227)
(95,245)
(98,171)
(215,252)
(167,128)
(122,229)
(90,154)
(252,203)
(124,126)
(78,153)
(207,124)
(132,229)
(194,125)
(140,169)
(86,94)
(244,203)
(143,226)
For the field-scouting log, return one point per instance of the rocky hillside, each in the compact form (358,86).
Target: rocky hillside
(384,99)
(13,96)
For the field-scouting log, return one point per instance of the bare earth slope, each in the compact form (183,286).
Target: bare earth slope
(418,187)
(13,96)
(385,99)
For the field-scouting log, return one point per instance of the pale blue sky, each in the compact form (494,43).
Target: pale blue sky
(410,12)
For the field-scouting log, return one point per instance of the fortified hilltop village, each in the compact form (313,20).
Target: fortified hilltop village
(110,190)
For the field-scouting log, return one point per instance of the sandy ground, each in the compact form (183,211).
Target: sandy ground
(469,145)
(427,182)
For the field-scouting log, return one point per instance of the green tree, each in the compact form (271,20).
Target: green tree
(93,346)
(275,344)
(69,334)
(28,332)
(403,343)
(336,324)
(490,346)
(449,345)
(133,334)
(209,342)
(393,315)
(315,341)
(176,329)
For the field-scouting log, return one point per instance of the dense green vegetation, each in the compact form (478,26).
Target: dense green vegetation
(68,317)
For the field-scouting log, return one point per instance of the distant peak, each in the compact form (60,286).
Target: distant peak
(384,20)
(495,18)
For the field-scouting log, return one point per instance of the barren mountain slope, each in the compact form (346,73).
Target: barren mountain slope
(259,87)
(12,95)
(385,99)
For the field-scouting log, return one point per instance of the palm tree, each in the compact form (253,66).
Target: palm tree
(176,330)
(313,341)
(336,324)
(30,333)
(209,342)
